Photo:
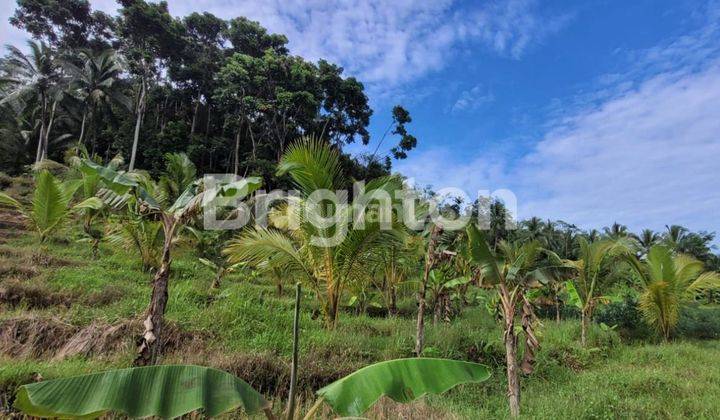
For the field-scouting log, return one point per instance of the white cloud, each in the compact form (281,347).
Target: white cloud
(643,150)
(472,99)
(382,42)
(646,158)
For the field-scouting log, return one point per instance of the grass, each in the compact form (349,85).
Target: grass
(245,328)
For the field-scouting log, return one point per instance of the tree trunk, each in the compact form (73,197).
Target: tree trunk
(43,111)
(420,337)
(236,169)
(138,122)
(393,310)
(279,289)
(82,127)
(150,344)
(46,141)
(38,154)
(557,310)
(429,262)
(510,340)
(583,327)
(532,345)
(437,307)
(512,371)
(447,308)
(195,115)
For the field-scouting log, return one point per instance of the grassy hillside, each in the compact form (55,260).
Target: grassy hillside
(63,313)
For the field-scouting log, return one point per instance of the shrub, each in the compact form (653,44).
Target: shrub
(701,322)
(625,317)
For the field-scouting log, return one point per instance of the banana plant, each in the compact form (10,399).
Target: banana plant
(51,203)
(513,270)
(174,390)
(172,218)
(440,286)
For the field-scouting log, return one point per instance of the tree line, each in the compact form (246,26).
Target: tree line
(143,83)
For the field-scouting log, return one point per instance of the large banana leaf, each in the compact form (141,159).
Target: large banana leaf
(403,380)
(481,254)
(166,391)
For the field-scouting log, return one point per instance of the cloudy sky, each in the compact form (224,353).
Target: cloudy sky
(591,112)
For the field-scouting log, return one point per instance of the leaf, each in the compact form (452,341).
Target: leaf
(92,203)
(573,295)
(403,380)
(6,200)
(481,254)
(458,281)
(49,204)
(165,391)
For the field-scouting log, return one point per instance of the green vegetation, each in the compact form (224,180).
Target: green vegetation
(582,324)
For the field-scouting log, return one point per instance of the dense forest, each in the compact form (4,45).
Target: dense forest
(144,83)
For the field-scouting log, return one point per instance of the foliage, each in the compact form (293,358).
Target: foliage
(668,281)
(51,203)
(403,380)
(326,258)
(166,391)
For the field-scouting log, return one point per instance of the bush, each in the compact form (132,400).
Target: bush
(626,318)
(701,322)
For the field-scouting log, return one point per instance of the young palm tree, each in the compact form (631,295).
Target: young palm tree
(179,174)
(668,281)
(303,249)
(395,264)
(51,203)
(591,271)
(34,79)
(513,270)
(96,84)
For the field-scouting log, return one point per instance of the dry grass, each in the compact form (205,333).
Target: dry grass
(51,338)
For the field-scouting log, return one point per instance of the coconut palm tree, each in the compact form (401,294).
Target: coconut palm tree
(179,174)
(646,239)
(513,270)
(96,84)
(591,274)
(34,80)
(616,231)
(327,258)
(51,203)
(668,281)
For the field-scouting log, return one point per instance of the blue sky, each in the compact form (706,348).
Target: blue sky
(590,112)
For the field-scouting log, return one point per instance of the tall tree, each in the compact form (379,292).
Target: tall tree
(96,85)
(148,34)
(35,80)
(327,258)
(66,24)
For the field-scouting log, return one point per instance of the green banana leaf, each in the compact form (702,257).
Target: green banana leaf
(166,391)
(574,298)
(403,380)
